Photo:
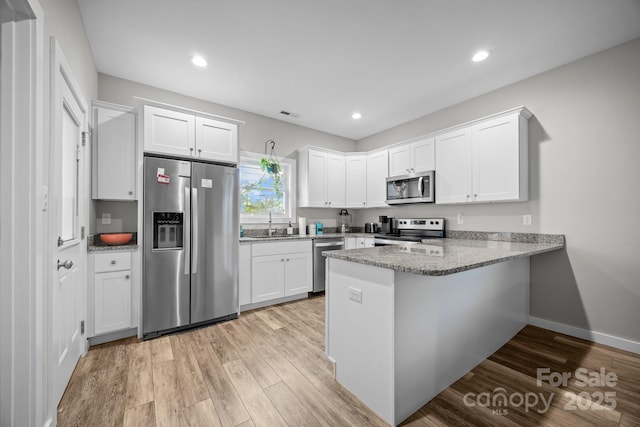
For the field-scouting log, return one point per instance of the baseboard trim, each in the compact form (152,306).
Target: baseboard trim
(262,304)
(585,334)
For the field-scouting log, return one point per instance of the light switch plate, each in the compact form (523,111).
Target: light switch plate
(460,218)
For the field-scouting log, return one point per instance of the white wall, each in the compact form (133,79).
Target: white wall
(584,149)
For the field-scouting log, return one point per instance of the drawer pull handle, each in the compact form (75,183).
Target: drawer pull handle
(113,262)
(127,277)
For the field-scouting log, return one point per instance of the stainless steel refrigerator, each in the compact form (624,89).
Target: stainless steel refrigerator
(190,244)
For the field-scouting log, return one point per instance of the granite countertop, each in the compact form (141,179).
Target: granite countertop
(94,244)
(299,237)
(440,257)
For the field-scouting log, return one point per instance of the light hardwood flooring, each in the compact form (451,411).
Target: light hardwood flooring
(267,368)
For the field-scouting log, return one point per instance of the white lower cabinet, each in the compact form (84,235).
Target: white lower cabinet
(112,292)
(280,269)
(358,242)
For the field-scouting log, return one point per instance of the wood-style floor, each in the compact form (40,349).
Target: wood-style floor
(267,368)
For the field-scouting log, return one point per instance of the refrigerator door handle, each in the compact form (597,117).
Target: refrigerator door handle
(195,230)
(187,231)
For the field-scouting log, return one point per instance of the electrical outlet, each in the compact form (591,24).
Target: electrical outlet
(460,218)
(526,219)
(106,219)
(355,295)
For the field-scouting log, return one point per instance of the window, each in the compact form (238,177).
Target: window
(260,192)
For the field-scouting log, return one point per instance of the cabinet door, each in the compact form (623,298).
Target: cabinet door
(377,173)
(350,242)
(244,275)
(216,140)
(335,181)
(453,173)
(112,301)
(356,181)
(114,154)
(423,154)
(496,158)
(298,273)
(168,132)
(399,160)
(267,277)
(317,179)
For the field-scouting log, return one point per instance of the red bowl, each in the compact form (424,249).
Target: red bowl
(116,238)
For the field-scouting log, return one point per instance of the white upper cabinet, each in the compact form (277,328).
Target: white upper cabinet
(114,152)
(484,162)
(499,153)
(216,140)
(321,179)
(187,135)
(356,181)
(418,156)
(377,173)
(453,171)
(169,132)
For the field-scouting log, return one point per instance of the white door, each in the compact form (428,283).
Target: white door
(68,251)
(267,273)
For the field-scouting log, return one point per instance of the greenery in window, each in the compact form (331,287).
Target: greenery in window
(262,184)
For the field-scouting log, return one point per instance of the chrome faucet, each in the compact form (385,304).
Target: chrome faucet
(271,230)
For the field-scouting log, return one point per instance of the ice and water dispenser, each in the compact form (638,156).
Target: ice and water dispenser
(168,230)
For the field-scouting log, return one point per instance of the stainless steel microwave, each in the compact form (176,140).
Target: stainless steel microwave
(415,188)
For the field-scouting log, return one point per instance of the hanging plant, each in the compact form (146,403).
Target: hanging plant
(270,165)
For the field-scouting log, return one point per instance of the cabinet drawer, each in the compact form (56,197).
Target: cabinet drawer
(259,249)
(112,262)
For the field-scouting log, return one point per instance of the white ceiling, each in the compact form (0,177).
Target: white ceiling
(391,60)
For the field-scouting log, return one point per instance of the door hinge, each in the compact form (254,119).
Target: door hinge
(82,233)
(82,327)
(60,241)
(85,135)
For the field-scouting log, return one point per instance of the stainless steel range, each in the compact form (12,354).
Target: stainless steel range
(412,230)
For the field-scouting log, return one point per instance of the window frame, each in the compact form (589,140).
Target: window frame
(291,190)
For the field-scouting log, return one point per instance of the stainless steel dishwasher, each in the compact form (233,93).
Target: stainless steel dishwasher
(319,246)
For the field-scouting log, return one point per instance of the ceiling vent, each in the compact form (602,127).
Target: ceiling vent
(289,114)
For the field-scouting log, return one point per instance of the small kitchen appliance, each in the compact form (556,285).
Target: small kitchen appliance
(345,221)
(387,224)
(370,227)
(412,230)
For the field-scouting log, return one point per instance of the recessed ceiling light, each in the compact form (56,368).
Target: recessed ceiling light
(356,116)
(480,55)
(198,61)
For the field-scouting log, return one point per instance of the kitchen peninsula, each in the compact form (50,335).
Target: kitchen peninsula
(404,322)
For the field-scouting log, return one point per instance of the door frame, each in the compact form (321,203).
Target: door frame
(23,384)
